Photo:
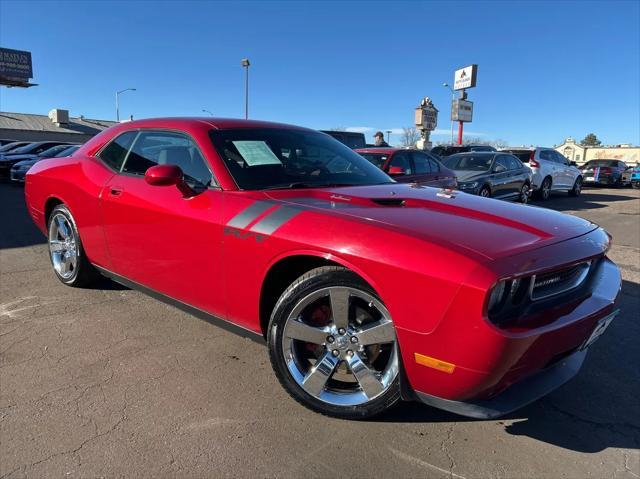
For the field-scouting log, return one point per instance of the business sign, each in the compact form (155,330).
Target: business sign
(465,77)
(15,64)
(426,115)
(461,110)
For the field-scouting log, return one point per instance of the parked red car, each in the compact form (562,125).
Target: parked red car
(411,166)
(365,290)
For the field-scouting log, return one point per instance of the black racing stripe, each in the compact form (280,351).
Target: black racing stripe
(249,214)
(275,220)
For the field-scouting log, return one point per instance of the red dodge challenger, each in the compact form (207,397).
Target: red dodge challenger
(366,291)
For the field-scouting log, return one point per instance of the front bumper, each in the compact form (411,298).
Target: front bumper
(522,393)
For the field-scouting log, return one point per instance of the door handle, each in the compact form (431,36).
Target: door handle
(115,190)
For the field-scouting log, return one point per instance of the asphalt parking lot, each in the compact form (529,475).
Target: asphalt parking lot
(109,382)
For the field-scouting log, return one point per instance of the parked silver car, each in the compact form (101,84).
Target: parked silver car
(551,171)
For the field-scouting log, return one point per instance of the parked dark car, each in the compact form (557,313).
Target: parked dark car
(19,170)
(6,141)
(491,174)
(8,147)
(411,166)
(448,150)
(603,172)
(26,152)
(352,139)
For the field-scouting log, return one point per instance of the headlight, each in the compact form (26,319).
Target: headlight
(467,186)
(497,296)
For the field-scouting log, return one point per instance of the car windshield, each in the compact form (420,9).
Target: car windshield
(26,148)
(68,151)
(377,159)
(601,163)
(449,150)
(270,158)
(53,151)
(469,162)
(10,147)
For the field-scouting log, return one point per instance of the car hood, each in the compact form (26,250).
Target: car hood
(487,227)
(29,162)
(466,175)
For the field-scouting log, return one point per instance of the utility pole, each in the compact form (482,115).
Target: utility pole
(246,64)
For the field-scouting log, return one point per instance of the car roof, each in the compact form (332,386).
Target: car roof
(217,123)
(386,150)
(476,153)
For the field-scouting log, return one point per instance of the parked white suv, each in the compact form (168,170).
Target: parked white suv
(551,171)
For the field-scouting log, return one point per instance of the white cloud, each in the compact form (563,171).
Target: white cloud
(360,129)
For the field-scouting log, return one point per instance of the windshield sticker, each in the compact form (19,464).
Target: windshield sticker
(256,153)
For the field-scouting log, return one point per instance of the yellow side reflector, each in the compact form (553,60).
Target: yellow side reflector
(434,363)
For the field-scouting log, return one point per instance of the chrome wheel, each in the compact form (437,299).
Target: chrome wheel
(63,246)
(577,187)
(339,345)
(546,189)
(524,194)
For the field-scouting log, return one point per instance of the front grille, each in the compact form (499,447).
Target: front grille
(558,282)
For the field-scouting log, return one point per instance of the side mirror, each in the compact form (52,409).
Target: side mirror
(395,170)
(163,175)
(168,175)
(573,163)
(499,169)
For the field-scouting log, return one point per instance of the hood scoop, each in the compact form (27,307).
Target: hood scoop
(389,201)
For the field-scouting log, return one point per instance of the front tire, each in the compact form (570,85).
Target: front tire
(66,253)
(525,193)
(485,192)
(577,187)
(545,189)
(333,346)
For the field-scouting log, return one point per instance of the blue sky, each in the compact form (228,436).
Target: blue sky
(547,70)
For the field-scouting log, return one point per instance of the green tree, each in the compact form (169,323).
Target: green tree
(591,140)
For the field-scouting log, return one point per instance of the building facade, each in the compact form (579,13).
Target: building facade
(581,154)
(57,126)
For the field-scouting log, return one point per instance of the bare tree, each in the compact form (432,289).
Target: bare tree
(409,136)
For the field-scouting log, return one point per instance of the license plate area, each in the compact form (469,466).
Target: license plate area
(600,328)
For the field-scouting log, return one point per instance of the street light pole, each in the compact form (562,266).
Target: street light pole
(246,64)
(388,136)
(118,102)
(453,97)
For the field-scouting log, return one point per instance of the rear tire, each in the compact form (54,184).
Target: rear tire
(577,187)
(320,350)
(70,264)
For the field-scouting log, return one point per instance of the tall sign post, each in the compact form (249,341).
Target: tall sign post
(461,109)
(15,68)
(426,122)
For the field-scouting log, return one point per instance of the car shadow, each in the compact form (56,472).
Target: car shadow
(18,228)
(589,199)
(596,410)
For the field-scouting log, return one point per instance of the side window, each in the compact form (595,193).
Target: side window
(560,158)
(401,159)
(116,151)
(420,163)
(167,148)
(502,164)
(514,163)
(546,155)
